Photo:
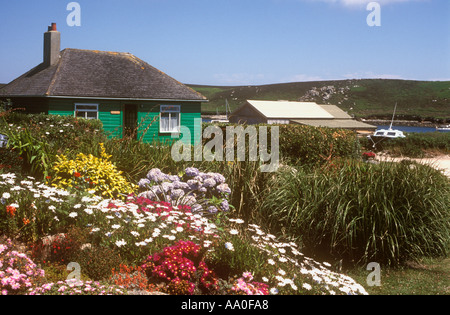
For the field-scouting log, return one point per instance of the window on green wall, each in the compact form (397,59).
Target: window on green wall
(87,111)
(169,118)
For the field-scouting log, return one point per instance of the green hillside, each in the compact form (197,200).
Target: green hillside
(368,98)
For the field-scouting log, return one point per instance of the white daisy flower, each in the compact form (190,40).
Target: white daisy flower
(229,246)
(121,243)
(306,286)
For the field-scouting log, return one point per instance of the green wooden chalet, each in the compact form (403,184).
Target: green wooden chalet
(127,94)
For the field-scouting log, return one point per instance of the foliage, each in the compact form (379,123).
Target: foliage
(427,277)
(387,212)
(64,134)
(40,138)
(338,197)
(98,262)
(61,248)
(90,173)
(247,184)
(55,272)
(307,145)
(10,161)
(35,153)
(139,226)
(135,158)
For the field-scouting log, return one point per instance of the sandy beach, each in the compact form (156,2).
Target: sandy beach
(441,162)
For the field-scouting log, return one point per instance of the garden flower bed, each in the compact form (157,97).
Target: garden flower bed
(128,219)
(180,250)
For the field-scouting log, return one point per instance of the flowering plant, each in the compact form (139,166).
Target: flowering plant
(30,209)
(77,287)
(17,272)
(368,156)
(181,267)
(206,193)
(91,173)
(131,278)
(245,285)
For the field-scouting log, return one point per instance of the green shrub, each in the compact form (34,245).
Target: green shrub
(388,212)
(10,161)
(39,138)
(135,158)
(315,146)
(58,272)
(98,262)
(36,154)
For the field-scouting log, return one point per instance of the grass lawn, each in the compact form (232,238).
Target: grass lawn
(430,277)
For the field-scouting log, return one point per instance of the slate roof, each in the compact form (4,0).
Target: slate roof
(99,74)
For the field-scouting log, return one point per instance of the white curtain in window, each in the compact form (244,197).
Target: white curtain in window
(170,118)
(165,119)
(174,122)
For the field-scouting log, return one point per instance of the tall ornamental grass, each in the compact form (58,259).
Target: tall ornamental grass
(361,212)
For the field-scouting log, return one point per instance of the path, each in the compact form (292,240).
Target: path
(440,162)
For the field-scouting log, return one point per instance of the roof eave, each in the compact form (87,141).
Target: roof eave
(106,98)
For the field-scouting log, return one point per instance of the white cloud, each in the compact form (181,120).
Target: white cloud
(372,75)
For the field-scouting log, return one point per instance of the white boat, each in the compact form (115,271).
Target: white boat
(443,128)
(390,133)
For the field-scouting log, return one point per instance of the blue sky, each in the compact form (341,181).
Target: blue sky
(242,42)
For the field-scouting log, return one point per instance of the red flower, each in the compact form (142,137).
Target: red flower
(77,175)
(11,210)
(368,155)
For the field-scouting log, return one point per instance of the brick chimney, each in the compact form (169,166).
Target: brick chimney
(52,46)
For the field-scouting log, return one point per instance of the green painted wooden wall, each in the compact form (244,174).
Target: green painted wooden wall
(148,121)
(111,113)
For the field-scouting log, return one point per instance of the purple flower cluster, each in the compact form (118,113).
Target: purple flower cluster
(204,192)
(17,271)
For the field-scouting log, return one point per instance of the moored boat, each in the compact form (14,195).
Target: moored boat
(443,128)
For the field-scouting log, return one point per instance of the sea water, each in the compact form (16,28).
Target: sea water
(410,129)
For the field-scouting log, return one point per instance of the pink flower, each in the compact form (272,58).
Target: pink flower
(15,286)
(247,275)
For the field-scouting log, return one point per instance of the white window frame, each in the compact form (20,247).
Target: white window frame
(85,111)
(171,110)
